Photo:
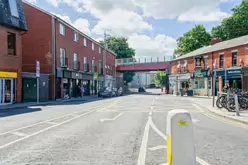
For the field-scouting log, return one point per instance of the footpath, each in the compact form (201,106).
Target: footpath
(57,102)
(207,104)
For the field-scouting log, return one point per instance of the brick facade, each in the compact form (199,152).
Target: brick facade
(11,63)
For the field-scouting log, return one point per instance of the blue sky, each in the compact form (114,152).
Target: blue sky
(151,26)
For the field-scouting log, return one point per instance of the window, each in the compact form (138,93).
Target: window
(75,57)
(85,64)
(62,57)
(11,43)
(178,67)
(13,8)
(75,36)
(100,51)
(93,65)
(85,42)
(199,84)
(93,46)
(62,29)
(234,58)
(185,65)
(206,63)
(222,61)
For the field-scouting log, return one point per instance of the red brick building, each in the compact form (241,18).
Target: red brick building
(195,70)
(12,28)
(68,57)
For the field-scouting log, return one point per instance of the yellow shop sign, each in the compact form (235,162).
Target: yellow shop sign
(8,75)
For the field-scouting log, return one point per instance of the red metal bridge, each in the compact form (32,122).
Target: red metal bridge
(132,65)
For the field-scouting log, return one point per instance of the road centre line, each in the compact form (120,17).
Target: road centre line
(17,129)
(111,119)
(43,130)
(19,134)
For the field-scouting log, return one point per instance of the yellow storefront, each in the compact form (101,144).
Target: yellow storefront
(7,87)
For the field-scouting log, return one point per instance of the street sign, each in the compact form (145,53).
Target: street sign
(37,68)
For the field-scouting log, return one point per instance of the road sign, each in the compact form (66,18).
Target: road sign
(181,147)
(37,68)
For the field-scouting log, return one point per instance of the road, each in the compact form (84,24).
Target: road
(128,130)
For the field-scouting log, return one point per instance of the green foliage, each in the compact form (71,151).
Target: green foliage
(161,79)
(120,47)
(234,26)
(194,39)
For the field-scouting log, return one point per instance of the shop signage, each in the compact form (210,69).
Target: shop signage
(232,72)
(200,74)
(95,76)
(198,60)
(8,75)
(37,68)
(65,81)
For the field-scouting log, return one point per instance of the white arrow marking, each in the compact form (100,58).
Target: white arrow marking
(111,119)
(157,148)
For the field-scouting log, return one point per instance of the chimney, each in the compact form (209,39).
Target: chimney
(215,41)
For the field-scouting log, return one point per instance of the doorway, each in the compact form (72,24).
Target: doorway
(7,89)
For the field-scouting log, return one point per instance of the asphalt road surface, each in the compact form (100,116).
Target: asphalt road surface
(128,130)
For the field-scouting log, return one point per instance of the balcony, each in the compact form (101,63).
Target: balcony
(86,68)
(76,65)
(64,62)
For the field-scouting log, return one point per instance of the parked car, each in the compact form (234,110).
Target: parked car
(142,89)
(114,92)
(120,91)
(105,92)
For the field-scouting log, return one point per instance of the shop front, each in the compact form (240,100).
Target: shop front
(245,78)
(76,84)
(180,82)
(202,83)
(8,87)
(86,82)
(231,77)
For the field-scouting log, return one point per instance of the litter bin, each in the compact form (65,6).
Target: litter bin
(190,93)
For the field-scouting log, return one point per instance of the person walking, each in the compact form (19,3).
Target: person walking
(82,91)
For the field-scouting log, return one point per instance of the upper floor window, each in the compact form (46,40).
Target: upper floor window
(206,63)
(86,66)
(62,29)
(13,8)
(178,67)
(75,36)
(62,57)
(11,43)
(100,50)
(93,46)
(185,65)
(85,42)
(222,61)
(75,57)
(234,58)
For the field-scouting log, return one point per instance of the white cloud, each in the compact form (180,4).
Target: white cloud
(55,3)
(147,47)
(189,10)
(81,24)
(208,16)
(31,1)
(120,22)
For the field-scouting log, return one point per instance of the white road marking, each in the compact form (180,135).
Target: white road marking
(19,134)
(14,130)
(43,130)
(111,119)
(195,120)
(158,148)
(100,110)
(164,164)
(50,122)
(143,147)
(150,113)
(73,115)
(157,130)
(202,162)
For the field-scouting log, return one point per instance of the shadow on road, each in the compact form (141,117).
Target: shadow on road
(17,111)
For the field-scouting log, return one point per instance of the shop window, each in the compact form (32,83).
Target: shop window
(199,84)
(234,58)
(222,61)
(11,43)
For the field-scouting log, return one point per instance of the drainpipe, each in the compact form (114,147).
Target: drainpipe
(54,64)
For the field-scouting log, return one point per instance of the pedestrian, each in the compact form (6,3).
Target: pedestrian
(82,91)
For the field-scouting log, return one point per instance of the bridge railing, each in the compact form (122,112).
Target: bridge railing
(137,61)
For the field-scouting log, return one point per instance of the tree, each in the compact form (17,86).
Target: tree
(121,48)
(194,39)
(234,26)
(161,79)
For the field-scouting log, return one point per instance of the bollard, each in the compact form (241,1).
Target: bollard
(181,146)
(236,104)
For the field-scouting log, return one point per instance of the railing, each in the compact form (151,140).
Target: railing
(135,61)
(86,68)
(76,65)
(64,62)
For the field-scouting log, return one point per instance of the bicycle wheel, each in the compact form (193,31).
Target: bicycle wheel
(219,102)
(243,104)
(231,105)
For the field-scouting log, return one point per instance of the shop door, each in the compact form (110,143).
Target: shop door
(6,91)
(29,89)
